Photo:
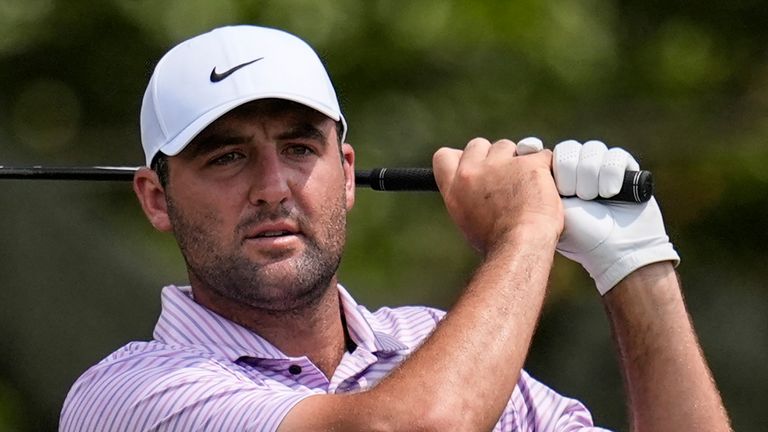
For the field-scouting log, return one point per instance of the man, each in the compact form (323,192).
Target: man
(252,175)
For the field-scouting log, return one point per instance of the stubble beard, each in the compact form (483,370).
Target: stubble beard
(284,286)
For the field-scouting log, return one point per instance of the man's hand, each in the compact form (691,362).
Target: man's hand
(489,190)
(610,240)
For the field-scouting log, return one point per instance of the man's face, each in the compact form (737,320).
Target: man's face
(258,203)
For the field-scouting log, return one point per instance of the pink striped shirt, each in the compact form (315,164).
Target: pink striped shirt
(203,372)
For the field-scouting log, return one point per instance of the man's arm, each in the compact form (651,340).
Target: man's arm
(626,250)
(669,385)
(462,377)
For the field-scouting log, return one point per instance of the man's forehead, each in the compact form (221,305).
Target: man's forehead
(298,121)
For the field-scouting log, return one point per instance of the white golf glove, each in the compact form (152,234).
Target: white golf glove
(610,240)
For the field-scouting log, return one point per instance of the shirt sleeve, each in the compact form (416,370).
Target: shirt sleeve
(536,407)
(173,395)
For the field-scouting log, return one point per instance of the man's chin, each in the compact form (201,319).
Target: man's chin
(280,281)
(278,266)
(287,294)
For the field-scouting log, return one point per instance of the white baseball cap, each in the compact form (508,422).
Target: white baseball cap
(206,76)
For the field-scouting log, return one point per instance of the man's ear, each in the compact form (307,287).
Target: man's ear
(348,164)
(151,195)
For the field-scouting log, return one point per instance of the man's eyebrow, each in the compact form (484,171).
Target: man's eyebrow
(211,141)
(303,130)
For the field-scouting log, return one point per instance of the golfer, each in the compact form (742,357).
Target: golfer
(248,167)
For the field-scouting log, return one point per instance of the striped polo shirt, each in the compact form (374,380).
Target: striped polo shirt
(204,372)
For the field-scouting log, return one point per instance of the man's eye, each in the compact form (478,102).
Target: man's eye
(226,158)
(299,150)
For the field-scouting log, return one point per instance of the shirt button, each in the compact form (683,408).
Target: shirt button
(294,369)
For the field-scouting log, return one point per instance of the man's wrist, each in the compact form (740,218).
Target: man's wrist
(524,236)
(648,285)
(608,277)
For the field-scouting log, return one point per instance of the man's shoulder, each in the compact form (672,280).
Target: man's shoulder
(147,355)
(134,374)
(154,383)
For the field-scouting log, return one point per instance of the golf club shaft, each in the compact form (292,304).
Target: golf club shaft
(637,187)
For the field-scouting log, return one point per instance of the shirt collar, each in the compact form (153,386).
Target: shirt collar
(184,322)
(366,329)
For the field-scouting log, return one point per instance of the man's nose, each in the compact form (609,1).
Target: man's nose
(269,183)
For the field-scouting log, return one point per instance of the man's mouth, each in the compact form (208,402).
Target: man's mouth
(274,234)
(273,231)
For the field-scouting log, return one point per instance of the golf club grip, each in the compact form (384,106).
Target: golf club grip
(637,186)
(397,179)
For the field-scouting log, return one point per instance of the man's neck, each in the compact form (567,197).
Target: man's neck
(317,332)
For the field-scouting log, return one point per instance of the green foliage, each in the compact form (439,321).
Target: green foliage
(683,86)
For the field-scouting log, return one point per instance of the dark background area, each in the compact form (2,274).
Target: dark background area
(681,85)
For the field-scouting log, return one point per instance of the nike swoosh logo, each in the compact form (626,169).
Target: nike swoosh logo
(216,77)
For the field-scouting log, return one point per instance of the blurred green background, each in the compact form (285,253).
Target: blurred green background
(682,85)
